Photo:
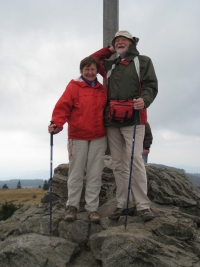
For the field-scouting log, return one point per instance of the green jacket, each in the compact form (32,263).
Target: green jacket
(123,83)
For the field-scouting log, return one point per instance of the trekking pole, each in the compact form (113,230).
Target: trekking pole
(131,163)
(50,187)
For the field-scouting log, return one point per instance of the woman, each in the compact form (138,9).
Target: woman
(82,107)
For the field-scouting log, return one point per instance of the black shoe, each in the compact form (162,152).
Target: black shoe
(115,215)
(146,214)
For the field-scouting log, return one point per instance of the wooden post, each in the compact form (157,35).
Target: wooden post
(110,20)
(110,27)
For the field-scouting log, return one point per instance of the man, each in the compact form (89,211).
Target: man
(126,81)
(148,138)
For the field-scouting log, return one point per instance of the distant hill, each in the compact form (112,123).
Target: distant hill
(29,180)
(164,166)
(24,183)
(194,177)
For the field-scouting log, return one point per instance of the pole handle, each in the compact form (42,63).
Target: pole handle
(51,135)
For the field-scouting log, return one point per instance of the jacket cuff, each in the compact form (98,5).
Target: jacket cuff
(108,50)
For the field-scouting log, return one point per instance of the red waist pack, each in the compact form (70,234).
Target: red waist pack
(121,110)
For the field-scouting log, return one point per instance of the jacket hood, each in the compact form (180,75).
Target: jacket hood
(132,52)
(136,40)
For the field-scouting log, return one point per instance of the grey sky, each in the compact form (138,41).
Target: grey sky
(41,45)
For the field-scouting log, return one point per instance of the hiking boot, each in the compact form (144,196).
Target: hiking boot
(120,212)
(94,217)
(146,214)
(70,214)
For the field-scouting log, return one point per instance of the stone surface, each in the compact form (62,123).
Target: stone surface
(171,239)
(33,250)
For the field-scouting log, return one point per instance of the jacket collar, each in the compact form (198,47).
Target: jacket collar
(82,83)
(132,52)
(92,84)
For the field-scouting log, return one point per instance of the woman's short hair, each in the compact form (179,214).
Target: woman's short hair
(88,61)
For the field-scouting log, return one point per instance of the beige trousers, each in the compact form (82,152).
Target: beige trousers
(120,142)
(85,157)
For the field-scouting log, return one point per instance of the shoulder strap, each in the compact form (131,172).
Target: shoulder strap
(137,65)
(110,71)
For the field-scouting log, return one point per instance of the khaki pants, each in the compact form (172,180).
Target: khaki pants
(120,142)
(85,157)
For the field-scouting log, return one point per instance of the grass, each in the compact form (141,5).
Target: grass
(25,196)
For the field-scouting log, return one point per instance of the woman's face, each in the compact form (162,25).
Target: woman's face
(90,72)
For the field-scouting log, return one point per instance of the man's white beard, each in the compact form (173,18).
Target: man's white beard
(121,51)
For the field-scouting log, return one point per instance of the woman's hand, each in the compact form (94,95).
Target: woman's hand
(53,128)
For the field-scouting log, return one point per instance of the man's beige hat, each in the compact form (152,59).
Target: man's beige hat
(127,35)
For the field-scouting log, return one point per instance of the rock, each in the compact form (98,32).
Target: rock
(170,187)
(171,239)
(164,241)
(33,250)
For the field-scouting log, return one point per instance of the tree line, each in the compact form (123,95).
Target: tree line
(7,209)
(19,185)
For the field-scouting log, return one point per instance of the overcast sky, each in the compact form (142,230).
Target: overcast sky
(41,45)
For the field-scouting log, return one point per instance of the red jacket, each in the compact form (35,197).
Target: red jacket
(82,106)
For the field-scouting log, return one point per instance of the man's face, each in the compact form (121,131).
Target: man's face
(122,44)
(90,72)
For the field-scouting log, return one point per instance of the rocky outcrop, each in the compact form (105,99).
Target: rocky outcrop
(171,239)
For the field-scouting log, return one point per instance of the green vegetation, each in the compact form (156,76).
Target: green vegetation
(29,183)
(5,186)
(7,210)
(19,185)
(46,185)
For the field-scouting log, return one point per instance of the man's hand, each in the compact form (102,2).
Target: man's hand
(112,49)
(145,152)
(53,128)
(138,103)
